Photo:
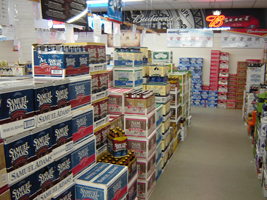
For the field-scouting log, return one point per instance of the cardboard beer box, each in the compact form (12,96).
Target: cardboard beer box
(139,106)
(143,147)
(80,91)
(158,169)
(61,93)
(146,187)
(43,96)
(25,188)
(63,167)
(117,146)
(41,142)
(67,193)
(158,114)
(101,136)
(82,123)
(158,151)
(3,171)
(110,78)
(45,178)
(103,81)
(83,155)
(146,167)
(17,151)
(116,121)
(140,126)
(241,65)
(162,56)
(116,100)
(61,131)
(95,82)
(17,108)
(104,182)
(128,77)
(132,189)
(158,133)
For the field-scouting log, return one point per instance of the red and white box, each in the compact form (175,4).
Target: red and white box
(230,95)
(221,104)
(205,87)
(224,64)
(222,88)
(223,82)
(215,52)
(222,96)
(223,75)
(224,56)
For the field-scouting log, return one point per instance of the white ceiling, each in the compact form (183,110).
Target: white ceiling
(179,4)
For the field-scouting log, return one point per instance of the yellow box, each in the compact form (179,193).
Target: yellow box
(160,89)
(166,108)
(158,70)
(165,125)
(146,70)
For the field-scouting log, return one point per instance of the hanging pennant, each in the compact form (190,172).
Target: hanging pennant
(108,27)
(133,31)
(97,25)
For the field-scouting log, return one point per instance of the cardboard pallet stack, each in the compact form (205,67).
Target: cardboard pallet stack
(241,83)
(214,78)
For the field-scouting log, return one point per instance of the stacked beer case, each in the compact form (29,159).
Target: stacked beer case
(240,83)
(214,78)
(223,102)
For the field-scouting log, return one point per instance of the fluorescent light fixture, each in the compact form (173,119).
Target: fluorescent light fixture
(75,18)
(216,12)
(106,1)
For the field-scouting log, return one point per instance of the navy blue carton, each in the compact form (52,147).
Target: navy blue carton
(24,189)
(70,57)
(104,181)
(52,56)
(83,57)
(17,150)
(63,167)
(61,93)
(61,131)
(41,141)
(45,178)
(40,55)
(43,96)
(67,193)
(17,101)
(83,155)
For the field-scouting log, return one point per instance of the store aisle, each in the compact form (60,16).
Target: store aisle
(215,162)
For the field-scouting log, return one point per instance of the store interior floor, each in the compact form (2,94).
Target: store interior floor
(215,162)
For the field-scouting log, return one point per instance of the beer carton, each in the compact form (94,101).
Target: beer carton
(5,193)
(63,167)
(103,181)
(132,189)
(103,81)
(158,114)
(17,108)
(95,83)
(80,91)
(158,151)
(3,171)
(83,155)
(146,187)
(158,169)
(140,126)
(143,147)
(61,93)
(97,114)
(146,167)
(66,193)
(101,136)
(45,178)
(101,53)
(17,152)
(83,58)
(158,133)
(92,49)
(128,78)
(41,142)
(43,96)
(82,123)
(116,121)
(103,108)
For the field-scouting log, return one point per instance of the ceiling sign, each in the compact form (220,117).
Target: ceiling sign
(215,20)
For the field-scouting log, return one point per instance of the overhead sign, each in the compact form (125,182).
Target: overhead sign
(115,10)
(215,20)
(189,38)
(244,38)
(64,10)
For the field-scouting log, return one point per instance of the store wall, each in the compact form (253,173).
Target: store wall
(7,53)
(235,54)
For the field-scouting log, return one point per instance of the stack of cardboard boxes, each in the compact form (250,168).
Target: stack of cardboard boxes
(214,78)
(232,88)
(223,80)
(241,83)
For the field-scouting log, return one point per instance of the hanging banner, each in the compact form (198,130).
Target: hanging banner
(189,38)
(244,38)
(64,10)
(115,10)
(125,39)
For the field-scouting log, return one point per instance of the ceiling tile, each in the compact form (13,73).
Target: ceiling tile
(161,6)
(179,5)
(260,4)
(243,4)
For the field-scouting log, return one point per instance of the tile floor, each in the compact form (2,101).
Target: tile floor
(215,162)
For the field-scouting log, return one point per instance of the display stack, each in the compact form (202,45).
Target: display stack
(158,83)
(185,108)
(240,86)
(194,65)
(232,89)
(48,124)
(223,82)
(214,78)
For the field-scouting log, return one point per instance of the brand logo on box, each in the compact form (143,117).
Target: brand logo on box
(45,98)
(62,94)
(117,186)
(46,176)
(17,104)
(67,197)
(81,122)
(41,142)
(83,60)
(80,89)
(22,191)
(18,152)
(63,132)
(89,194)
(135,124)
(83,153)
(70,61)
(64,166)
